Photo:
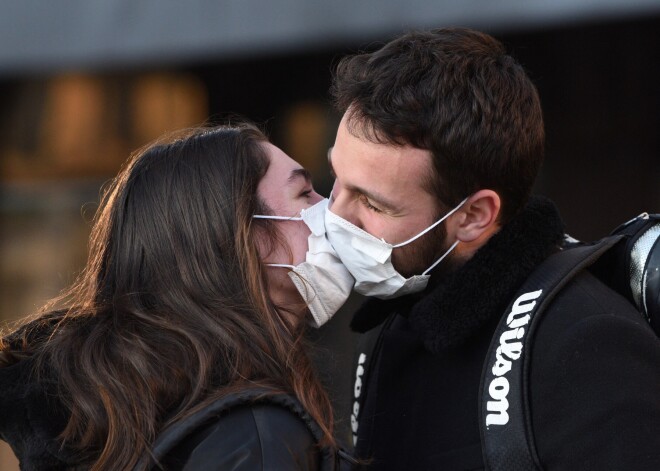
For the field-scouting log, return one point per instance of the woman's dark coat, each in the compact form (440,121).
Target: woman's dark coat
(270,434)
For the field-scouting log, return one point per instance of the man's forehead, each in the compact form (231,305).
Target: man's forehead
(363,128)
(395,172)
(355,151)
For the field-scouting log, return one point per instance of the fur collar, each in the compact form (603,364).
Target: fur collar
(452,310)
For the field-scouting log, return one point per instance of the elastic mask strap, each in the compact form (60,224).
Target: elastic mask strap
(432,226)
(279,218)
(280,265)
(441,258)
(292,218)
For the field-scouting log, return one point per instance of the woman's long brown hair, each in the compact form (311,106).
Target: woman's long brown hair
(172,309)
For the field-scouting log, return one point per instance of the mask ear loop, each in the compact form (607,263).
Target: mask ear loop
(279,218)
(441,258)
(280,265)
(432,225)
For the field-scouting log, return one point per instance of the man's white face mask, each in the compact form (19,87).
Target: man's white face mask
(322,280)
(369,259)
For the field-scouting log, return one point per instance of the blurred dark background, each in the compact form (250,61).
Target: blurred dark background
(82,84)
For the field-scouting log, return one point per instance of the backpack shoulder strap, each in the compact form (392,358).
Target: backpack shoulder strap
(505,422)
(171,437)
(367,348)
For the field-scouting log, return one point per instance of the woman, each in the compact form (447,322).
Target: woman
(183,304)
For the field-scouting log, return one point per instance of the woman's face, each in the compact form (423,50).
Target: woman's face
(286,189)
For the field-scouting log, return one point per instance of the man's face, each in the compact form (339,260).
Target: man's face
(380,188)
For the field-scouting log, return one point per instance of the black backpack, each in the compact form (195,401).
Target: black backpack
(628,261)
(331,459)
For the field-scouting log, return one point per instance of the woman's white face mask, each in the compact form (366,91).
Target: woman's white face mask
(322,280)
(369,259)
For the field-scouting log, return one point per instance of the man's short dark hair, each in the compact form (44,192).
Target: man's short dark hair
(456,93)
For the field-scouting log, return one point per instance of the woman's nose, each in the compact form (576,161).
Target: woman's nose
(315,198)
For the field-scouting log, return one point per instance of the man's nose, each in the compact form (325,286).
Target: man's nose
(339,204)
(333,202)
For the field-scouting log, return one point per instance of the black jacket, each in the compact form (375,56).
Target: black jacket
(594,377)
(249,430)
(253,432)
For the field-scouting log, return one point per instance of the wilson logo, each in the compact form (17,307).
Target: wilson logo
(357,390)
(509,351)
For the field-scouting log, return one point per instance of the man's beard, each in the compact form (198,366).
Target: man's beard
(418,256)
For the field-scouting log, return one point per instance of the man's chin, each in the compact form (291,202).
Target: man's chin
(417,263)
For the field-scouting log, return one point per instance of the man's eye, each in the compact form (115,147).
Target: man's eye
(371,207)
(306,193)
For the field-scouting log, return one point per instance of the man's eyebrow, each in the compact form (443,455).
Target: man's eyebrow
(380,200)
(298,173)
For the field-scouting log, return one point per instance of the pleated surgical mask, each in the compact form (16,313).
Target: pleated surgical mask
(322,280)
(369,259)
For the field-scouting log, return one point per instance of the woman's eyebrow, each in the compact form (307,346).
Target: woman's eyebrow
(300,173)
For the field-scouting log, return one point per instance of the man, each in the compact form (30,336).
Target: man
(439,145)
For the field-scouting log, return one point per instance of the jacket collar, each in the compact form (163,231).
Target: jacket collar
(454,308)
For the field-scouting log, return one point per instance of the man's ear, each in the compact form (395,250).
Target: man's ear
(478,216)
